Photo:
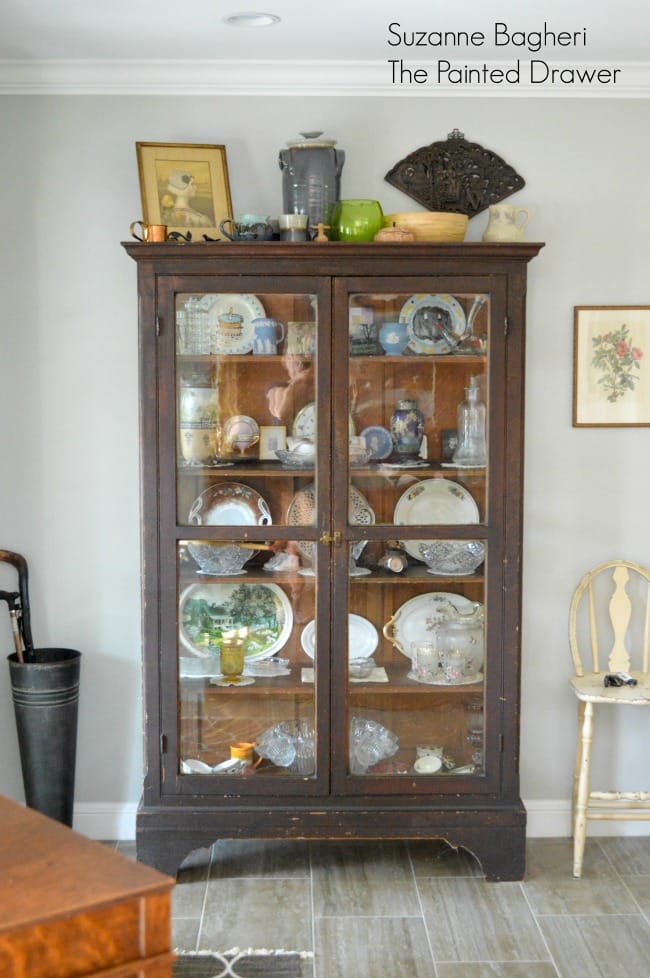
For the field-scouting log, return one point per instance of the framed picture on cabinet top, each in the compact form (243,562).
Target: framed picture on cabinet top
(184,186)
(611,366)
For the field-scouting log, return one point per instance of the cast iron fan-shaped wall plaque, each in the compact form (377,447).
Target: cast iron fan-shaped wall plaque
(454,175)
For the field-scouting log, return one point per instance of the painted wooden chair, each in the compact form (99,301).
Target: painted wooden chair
(609,621)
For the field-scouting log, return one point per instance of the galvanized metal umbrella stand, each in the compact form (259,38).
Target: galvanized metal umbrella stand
(45,690)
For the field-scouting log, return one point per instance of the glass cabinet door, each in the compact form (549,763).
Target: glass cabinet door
(247,496)
(418,390)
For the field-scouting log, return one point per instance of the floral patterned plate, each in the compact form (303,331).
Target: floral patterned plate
(416,619)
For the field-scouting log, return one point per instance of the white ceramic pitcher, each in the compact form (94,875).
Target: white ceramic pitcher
(506,223)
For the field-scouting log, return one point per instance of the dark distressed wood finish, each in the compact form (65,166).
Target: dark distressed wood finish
(72,908)
(182,813)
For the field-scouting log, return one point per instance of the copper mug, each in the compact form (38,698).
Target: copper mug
(150,232)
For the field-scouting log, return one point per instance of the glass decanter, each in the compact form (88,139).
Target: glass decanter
(472,448)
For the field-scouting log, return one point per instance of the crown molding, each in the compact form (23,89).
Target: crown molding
(282,78)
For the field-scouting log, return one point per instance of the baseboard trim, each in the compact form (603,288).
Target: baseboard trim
(105,820)
(546,819)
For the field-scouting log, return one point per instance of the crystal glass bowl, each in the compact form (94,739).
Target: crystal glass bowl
(370,742)
(361,668)
(295,460)
(290,744)
(221,560)
(452,556)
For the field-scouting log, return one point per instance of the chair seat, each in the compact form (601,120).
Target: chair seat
(590,688)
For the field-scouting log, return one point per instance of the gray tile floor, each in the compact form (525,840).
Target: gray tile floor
(421,910)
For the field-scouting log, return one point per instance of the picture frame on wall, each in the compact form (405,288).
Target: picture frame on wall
(611,366)
(185,186)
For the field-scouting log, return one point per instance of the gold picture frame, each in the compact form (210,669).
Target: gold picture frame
(611,366)
(185,186)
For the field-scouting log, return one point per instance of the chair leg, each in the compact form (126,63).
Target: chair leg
(582,799)
(578,764)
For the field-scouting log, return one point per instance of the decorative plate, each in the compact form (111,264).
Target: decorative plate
(205,611)
(248,307)
(304,423)
(432,502)
(302,510)
(242,430)
(434,323)
(230,504)
(362,638)
(415,620)
(378,441)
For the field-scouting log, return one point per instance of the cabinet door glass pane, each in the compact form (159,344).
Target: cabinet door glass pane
(418,401)
(416,661)
(418,466)
(246,408)
(246,689)
(246,503)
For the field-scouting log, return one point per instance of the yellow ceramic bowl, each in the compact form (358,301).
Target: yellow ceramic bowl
(430,225)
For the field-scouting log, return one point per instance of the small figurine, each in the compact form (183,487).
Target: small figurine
(320,229)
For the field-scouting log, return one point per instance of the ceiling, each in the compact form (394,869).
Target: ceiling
(347,30)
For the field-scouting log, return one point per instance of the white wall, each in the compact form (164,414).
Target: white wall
(68,379)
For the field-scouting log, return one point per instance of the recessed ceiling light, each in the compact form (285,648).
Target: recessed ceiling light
(252,20)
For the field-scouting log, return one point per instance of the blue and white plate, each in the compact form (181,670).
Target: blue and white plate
(434,323)
(378,441)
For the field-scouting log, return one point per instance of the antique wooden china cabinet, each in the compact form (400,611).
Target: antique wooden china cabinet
(303,507)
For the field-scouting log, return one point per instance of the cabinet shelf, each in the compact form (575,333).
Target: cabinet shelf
(210,359)
(379,577)
(436,358)
(291,686)
(268,359)
(261,467)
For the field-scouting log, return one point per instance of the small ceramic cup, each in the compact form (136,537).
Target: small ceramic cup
(242,751)
(150,232)
(293,227)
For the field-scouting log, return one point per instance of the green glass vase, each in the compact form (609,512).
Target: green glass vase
(356,220)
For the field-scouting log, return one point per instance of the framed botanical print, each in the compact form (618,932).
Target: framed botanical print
(185,186)
(611,366)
